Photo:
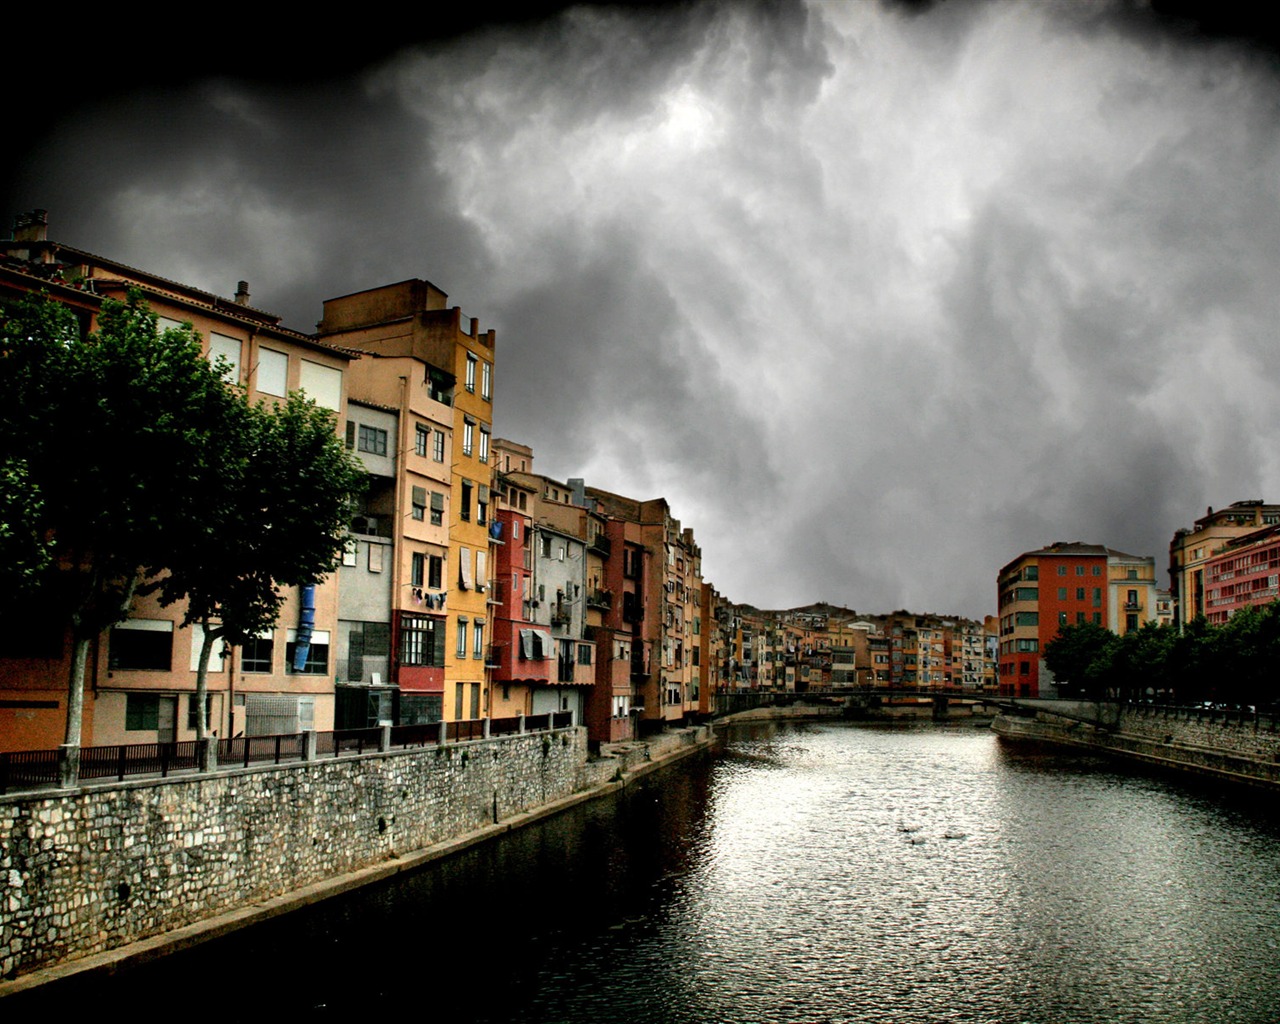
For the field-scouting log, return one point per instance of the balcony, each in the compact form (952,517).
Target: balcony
(600,545)
(560,617)
(601,600)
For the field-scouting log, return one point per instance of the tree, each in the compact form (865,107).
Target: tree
(1080,656)
(273,511)
(112,431)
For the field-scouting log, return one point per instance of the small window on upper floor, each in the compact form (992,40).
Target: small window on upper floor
(372,440)
(471,372)
(486,381)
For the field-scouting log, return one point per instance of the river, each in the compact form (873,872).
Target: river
(806,873)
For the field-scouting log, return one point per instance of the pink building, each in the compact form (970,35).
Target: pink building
(1245,572)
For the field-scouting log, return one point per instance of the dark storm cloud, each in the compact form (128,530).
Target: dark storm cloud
(877,296)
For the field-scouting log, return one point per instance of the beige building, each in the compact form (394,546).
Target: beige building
(140,681)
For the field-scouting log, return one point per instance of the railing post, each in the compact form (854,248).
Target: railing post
(308,745)
(485,728)
(68,765)
(384,738)
(443,736)
(207,754)
(277,761)
(520,721)
(166,750)
(120,763)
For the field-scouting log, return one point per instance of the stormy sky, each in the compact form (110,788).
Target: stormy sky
(878,296)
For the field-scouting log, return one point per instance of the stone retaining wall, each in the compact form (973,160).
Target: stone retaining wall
(1222,751)
(93,869)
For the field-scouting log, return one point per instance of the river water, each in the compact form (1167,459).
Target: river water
(807,873)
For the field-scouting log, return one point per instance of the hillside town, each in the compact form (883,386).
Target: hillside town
(474,587)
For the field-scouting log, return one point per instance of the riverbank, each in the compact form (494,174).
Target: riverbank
(1234,751)
(75,861)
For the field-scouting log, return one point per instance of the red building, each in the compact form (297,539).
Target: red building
(1039,592)
(522,654)
(1246,572)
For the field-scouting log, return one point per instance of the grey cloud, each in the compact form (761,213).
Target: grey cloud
(877,297)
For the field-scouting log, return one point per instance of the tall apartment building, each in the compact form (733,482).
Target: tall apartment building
(445,359)
(1190,550)
(671,615)
(140,681)
(1065,584)
(1244,573)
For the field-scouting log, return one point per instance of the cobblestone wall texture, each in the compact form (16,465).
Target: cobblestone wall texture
(94,869)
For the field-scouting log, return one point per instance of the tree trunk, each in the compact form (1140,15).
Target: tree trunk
(69,761)
(208,749)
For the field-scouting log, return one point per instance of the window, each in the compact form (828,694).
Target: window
(437,508)
(477,639)
(351,553)
(1079,593)
(461,650)
(1097,618)
(484,444)
(418,569)
(421,438)
(1062,570)
(372,440)
(464,513)
(351,434)
(273,372)
(1097,570)
(468,430)
(1062,593)
(317,663)
(584,654)
(1097,597)
(1131,574)
(322,384)
(546,546)
(1079,570)
(471,373)
(437,445)
(1131,622)
(1031,572)
(482,504)
(1062,618)
(197,641)
(228,349)
(141,644)
(435,572)
(141,712)
(421,641)
(418,500)
(486,380)
(256,655)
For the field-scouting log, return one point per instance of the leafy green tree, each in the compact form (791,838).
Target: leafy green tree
(114,430)
(1080,657)
(273,512)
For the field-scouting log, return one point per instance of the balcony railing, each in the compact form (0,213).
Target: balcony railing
(600,599)
(600,545)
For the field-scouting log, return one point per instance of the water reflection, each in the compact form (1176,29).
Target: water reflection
(812,873)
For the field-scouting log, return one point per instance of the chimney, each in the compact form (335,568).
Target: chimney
(242,293)
(31,227)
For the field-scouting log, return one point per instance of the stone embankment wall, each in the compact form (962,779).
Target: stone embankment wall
(1245,750)
(93,869)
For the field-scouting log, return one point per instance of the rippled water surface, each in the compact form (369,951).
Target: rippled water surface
(815,873)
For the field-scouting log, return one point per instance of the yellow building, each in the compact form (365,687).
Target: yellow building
(1191,549)
(413,319)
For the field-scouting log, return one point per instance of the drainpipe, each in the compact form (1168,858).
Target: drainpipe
(306,623)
